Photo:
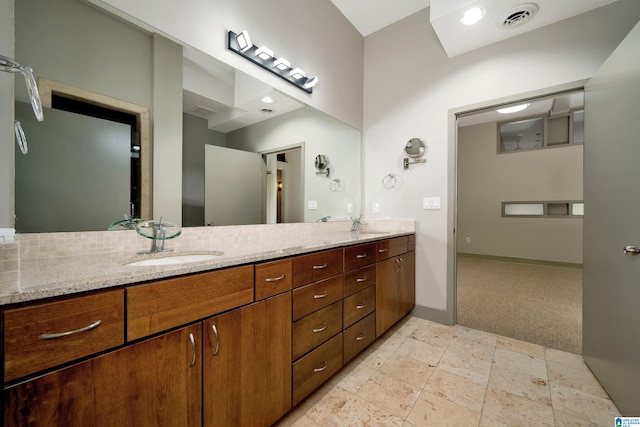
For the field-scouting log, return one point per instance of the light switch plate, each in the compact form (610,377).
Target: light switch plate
(431,203)
(375,207)
(312,205)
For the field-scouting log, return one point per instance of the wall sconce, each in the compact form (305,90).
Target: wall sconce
(279,185)
(241,44)
(322,165)
(414,148)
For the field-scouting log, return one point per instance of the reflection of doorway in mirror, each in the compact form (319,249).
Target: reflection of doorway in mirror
(284,186)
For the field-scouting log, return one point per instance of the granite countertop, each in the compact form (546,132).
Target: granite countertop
(53,277)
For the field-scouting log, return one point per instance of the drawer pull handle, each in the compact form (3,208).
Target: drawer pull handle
(322,368)
(383,250)
(361,336)
(65,334)
(215,334)
(361,279)
(361,306)
(193,348)
(321,328)
(320,267)
(274,279)
(319,296)
(361,256)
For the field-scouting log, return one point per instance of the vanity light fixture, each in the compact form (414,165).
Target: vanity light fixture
(244,41)
(264,53)
(513,109)
(297,73)
(242,45)
(282,64)
(472,16)
(268,100)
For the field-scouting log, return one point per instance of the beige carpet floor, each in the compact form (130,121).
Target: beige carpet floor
(533,303)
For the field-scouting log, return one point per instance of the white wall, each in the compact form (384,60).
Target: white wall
(410,86)
(486,179)
(7,141)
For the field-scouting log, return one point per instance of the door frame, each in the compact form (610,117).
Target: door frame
(452,184)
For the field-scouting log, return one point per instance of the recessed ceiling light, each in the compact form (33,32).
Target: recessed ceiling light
(472,16)
(513,109)
(268,100)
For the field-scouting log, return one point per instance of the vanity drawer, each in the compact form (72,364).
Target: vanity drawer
(316,367)
(359,305)
(41,336)
(359,256)
(359,336)
(391,247)
(273,278)
(317,266)
(411,243)
(310,298)
(358,280)
(316,328)
(161,305)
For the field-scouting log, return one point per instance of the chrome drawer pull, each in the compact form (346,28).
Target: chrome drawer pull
(274,279)
(361,336)
(65,334)
(324,295)
(215,334)
(383,250)
(193,348)
(361,279)
(361,256)
(361,306)
(322,368)
(321,328)
(320,267)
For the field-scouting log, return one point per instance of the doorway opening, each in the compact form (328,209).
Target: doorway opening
(518,257)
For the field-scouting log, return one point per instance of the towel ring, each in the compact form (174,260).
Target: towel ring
(22,140)
(389,181)
(336,185)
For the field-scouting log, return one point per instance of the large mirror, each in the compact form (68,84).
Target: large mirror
(247,150)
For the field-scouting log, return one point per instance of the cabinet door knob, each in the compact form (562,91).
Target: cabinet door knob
(361,256)
(361,279)
(321,328)
(193,349)
(322,295)
(321,368)
(361,336)
(274,279)
(215,334)
(361,306)
(320,267)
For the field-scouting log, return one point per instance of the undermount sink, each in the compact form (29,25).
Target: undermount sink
(175,259)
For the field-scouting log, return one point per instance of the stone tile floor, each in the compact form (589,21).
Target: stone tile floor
(423,373)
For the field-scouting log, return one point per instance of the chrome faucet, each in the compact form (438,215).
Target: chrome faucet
(356,223)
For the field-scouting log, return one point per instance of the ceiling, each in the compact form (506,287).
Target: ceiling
(369,16)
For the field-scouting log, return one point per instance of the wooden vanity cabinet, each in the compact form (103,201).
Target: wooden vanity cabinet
(247,364)
(45,335)
(156,382)
(395,282)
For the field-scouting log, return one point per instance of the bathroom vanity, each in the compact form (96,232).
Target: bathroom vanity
(237,344)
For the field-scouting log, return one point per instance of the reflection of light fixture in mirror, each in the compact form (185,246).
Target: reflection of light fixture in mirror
(472,16)
(282,64)
(322,165)
(264,53)
(513,109)
(244,41)
(297,73)
(264,57)
(279,185)
(414,148)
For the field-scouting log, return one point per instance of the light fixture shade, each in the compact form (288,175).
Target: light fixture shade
(282,64)
(311,82)
(297,73)
(513,109)
(264,53)
(244,41)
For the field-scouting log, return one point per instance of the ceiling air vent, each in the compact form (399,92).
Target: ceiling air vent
(518,16)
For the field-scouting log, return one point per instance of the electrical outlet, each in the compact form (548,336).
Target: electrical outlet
(375,207)
(312,205)
(431,203)
(349,207)
(468,239)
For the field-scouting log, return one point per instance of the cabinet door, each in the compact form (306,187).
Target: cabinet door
(247,364)
(157,382)
(407,283)
(386,294)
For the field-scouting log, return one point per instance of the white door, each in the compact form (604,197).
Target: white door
(233,187)
(611,295)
